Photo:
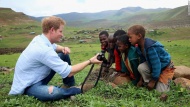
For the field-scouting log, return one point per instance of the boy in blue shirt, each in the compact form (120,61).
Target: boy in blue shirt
(156,68)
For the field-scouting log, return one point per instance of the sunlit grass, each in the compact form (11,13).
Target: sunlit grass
(103,95)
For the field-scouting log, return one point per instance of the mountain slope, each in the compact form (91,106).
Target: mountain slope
(154,19)
(124,17)
(8,16)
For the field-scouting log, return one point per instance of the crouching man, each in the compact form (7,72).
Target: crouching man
(41,59)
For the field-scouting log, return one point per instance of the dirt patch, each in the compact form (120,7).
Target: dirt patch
(105,76)
(10,50)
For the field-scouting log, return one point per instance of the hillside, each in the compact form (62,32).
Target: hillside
(149,18)
(172,18)
(110,18)
(125,17)
(8,17)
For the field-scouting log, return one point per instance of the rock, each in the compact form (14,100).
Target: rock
(73,98)
(183,82)
(112,84)
(119,80)
(163,97)
(87,87)
(6,69)
(182,71)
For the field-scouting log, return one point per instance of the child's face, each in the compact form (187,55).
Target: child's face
(103,40)
(133,38)
(121,46)
(111,43)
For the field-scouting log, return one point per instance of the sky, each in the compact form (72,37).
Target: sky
(52,7)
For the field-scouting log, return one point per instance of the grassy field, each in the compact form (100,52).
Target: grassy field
(103,95)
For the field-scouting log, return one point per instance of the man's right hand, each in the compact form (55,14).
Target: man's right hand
(94,60)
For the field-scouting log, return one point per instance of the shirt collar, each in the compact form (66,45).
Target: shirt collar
(46,40)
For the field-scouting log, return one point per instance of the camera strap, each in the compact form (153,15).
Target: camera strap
(86,78)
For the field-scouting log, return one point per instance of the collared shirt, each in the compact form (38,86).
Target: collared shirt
(35,64)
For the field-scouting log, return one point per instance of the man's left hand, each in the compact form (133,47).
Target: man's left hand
(66,50)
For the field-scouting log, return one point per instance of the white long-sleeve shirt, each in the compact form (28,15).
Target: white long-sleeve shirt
(35,64)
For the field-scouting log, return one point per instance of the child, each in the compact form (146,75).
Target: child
(111,46)
(116,51)
(156,68)
(103,37)
(130,61)
(113,54)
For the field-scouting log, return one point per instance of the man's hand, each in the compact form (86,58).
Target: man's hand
(94,60)
(151,84)
(66,50)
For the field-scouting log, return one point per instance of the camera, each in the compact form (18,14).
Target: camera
(101,57)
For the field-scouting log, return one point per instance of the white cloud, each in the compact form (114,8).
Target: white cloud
(52,7)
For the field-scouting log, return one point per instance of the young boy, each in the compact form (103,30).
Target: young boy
(130,60)
(156,68)
(113,52)
(116,51)
(103,37)
(110,50)
(107,46)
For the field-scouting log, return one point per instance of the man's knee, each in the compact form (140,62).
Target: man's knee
(65,57)
(50,89)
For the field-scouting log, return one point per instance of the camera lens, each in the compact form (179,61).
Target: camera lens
(99,57)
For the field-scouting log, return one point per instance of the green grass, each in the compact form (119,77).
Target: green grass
(103,95)
(179,51)
(8,60)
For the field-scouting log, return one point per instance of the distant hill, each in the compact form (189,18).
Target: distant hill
(8,17)
(171,18)
(123,18)
(110,15)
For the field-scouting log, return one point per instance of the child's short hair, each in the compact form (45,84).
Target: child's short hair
(137,29)
(124,39)
(104,33)
(119,33)
(110,36)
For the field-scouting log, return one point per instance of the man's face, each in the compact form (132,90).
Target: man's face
(103,40)
(133,38)
(58,34)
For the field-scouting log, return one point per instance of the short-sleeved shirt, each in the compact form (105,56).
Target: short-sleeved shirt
(35,64)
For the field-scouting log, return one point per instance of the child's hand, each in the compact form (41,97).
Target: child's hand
(151,84)
(106,69)
(121,74)
(140,84)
